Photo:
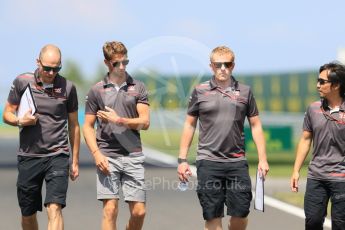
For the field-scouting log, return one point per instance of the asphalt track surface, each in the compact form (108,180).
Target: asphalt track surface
(167,207)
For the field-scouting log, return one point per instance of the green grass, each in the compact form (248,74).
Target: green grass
(7,131)
(168,142)
(296,199)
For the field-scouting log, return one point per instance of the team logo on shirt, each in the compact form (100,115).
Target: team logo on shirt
(236,93)
(131,88)
(341,115)
(57,90)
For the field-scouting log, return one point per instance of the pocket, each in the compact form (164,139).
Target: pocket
(20,160)
(134,162)
(26,163)
(138,159)
(57,173)
(198,163)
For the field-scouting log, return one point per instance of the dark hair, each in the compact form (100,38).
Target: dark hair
(336,75)
(113,48)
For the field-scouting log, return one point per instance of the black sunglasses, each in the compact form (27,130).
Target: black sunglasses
(117,63)
(219,65)
(323,81)
(48,68)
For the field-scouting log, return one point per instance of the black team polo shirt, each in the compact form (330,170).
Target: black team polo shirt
(328,131)
(221,115)
(116,140)
(50,134)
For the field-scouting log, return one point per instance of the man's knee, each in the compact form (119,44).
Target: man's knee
(110,210)
(214,223)
(138,212)
(29,219)
(54,210)
(238,222)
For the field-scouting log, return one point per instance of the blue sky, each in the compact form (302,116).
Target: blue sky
(172,36)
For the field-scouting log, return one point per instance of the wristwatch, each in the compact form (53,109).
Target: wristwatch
(180,160)
(19,124)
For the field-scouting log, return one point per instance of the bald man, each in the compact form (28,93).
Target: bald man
(47,138)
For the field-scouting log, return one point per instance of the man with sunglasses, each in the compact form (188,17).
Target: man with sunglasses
(324,126)
(45,138)
(119,105)
(221,106)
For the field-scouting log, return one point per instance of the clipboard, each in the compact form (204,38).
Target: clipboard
(259,193)
(27,101)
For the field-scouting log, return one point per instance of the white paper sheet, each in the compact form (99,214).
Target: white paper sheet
(259,192)
(27,102)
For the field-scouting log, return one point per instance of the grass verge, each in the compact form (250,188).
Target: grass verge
(7,131)
(281,163)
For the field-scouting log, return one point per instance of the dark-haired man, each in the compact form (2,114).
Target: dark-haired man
(119,105)
(324,126)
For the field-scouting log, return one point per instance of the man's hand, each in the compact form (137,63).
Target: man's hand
(28,119)
(74,171)
(101,162)
(109,115)
(183,171)
(294,181)
(263,168)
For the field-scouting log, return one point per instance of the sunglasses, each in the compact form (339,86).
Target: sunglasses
(117,63)
(48,68)
(219,65)
(323,81)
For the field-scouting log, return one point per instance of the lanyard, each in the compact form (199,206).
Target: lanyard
(232,97)
(331,118)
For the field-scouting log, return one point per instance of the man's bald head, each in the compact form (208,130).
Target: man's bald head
(50,51)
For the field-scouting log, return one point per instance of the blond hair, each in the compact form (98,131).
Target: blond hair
(222,50)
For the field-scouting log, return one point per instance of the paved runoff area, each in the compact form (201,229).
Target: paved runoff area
(167,207)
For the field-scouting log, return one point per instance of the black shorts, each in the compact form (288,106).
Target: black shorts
(32,171)
(222,183)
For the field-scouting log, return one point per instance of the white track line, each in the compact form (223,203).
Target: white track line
(288,208)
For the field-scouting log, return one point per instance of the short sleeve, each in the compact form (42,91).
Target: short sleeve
(15,92)
(307,126)
(91,105)
(72,102)
(252,107)
(193,105)
(143,95)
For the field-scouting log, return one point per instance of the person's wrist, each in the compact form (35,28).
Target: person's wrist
(19,124)
(94,151)
(181,160)
(120,121)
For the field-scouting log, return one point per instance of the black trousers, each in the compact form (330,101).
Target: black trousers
(316,198)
